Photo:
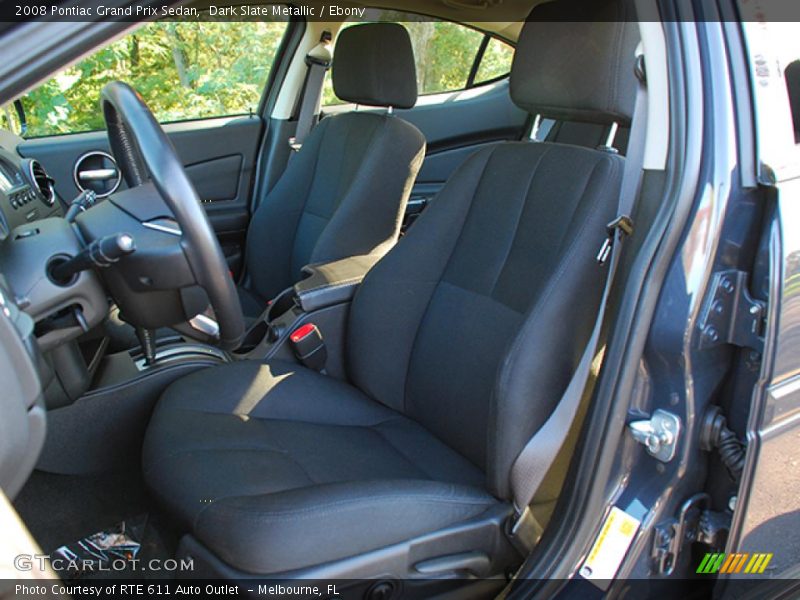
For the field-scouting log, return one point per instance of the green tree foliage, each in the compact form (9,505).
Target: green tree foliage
(444,53)
(496,61)
(184,70)
(199,69)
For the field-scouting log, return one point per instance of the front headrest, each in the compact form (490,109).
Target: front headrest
(575,61)
(373,64)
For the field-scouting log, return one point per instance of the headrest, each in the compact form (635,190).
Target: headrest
(373,64)
(575,61)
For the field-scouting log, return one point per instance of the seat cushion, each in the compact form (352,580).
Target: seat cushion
(256,459)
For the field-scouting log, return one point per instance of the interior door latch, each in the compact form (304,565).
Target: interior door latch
(659,434)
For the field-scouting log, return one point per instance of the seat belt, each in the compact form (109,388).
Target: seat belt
(319,60)
(539,453)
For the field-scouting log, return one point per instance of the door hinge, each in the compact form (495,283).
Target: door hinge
(695,523)
(659,434)
(731,315)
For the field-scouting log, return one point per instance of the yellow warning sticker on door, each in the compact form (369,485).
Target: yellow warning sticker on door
(610,546)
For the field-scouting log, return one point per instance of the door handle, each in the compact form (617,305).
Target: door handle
(98,174)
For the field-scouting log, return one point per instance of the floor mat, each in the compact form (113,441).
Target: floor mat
(113,548)
(61,510)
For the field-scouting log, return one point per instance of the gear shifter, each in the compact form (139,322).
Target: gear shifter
(147,338)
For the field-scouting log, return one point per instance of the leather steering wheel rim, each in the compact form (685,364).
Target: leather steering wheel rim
(140,146)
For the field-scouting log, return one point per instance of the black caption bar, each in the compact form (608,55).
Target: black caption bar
(373,589)
(237,10)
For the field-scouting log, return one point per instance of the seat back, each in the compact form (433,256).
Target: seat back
(345,192)
(473,324)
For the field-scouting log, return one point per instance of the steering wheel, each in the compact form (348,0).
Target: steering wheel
(178,271)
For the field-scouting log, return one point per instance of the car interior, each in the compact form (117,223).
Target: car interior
(322,359)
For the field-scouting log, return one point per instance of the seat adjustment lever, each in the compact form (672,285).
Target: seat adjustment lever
(476,563)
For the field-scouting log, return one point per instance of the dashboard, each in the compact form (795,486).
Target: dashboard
(27,192)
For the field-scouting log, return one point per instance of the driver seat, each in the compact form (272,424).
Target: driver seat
(460,341)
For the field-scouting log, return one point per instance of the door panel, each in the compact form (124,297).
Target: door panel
(217,179)
(480,114)
(456,126)
(439,165)
(219,156)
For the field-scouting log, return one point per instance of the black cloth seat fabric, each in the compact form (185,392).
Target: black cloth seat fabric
(344,193)
(460,341)
(454,361)
(284,451)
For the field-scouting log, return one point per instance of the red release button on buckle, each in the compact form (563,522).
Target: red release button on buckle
(309,347)
(302,332)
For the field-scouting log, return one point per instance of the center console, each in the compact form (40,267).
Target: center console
(99,403)
(322,298)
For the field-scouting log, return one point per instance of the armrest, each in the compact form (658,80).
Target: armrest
(333,282)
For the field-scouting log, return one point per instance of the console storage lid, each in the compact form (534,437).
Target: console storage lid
(333,282)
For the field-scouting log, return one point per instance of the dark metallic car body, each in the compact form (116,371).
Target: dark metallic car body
(739,215)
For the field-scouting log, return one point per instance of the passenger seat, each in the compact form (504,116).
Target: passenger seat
(345,192)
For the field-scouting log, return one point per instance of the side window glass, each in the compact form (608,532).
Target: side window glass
(445,54)
(12,119)
(184,70)
(495,62)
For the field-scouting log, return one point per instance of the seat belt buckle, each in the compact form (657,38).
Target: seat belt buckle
(524,531)
(622,226)
(309,347)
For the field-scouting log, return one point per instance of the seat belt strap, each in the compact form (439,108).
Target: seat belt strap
(319,60)
(539,453)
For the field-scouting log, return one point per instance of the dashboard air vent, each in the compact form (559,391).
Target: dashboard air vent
(43,182)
